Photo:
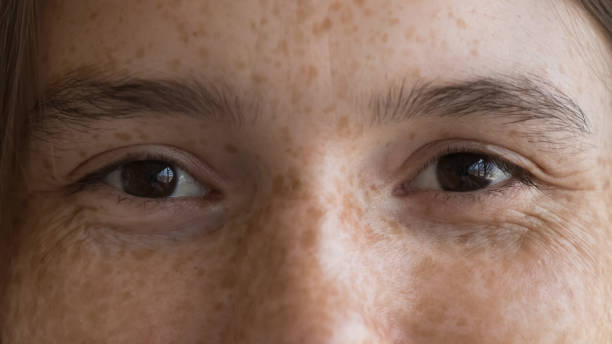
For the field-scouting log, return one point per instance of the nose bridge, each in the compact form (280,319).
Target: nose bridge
(289,289)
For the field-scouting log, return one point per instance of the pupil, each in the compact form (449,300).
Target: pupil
(149,179)
(464,172)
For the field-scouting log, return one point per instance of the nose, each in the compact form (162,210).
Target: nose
(299,274)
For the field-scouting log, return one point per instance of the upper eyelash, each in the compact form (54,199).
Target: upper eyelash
(524,177)
(96,178)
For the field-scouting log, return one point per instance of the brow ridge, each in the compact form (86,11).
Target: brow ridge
(79,99)
(513,99)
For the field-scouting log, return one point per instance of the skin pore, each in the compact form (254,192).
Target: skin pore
(317,231)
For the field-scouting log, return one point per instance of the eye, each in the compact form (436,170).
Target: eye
(154,179)
(465,172)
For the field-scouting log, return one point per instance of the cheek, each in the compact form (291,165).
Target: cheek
(72,286)
(285,265)
(458,299)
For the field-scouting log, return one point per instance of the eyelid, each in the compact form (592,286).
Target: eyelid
(103,163)
(437,149)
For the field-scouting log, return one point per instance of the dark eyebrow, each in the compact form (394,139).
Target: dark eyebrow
(512,100)
(80,98)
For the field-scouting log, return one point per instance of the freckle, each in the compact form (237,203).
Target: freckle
(474,52)
(258,78)
(385,38)
(93,15)
(140,53)
(323,27)
(71,48)
(409,33)
(240,65)
(335,6)
(463,239)
(123,136)
(282,46)
(218,306)
(174,64)
(311,72)
(329,109)
(296,184)
(561,69)
(126,296)
(230,149)
(394,21)
(143,136)
(342,127)
(461,23)
(359,2)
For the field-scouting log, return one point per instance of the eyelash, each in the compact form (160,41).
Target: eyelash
(520,176)
(95,180)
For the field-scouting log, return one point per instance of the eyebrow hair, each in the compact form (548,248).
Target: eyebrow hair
(512,99)
(79,100)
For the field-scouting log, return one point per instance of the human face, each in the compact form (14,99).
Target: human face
(316,207)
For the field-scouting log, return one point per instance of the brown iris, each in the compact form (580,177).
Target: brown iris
(150,179)
(464,172)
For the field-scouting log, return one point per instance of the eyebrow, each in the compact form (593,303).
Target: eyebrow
(79,101)
(511,99)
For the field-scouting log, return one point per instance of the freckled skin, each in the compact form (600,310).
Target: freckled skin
(309,245)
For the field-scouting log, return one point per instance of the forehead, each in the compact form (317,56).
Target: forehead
(313,49)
